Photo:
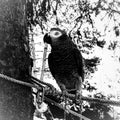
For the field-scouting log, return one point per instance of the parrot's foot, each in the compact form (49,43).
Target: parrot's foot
(78,97)
(65,92)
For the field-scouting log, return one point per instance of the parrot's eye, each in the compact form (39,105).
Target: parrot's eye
(55,34)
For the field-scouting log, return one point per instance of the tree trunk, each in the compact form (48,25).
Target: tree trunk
(16,101)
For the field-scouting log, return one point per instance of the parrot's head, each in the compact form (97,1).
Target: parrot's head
(55,36)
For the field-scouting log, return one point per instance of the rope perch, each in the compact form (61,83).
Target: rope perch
(56,93)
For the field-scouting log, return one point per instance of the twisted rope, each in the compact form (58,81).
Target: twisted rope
(97,100)
(102,101)
(18,81)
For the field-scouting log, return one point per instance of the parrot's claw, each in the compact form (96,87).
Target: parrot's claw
(78,97)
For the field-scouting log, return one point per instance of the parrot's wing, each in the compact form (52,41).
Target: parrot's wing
(51,65)
(79,62)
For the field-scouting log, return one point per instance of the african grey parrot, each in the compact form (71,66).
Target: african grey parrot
(65,61)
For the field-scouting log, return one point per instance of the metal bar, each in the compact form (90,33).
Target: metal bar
(43,62)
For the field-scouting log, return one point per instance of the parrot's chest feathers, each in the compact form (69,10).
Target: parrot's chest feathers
(63,61)
(61,55)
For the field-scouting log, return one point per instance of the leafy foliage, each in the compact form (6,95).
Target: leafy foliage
(91,64)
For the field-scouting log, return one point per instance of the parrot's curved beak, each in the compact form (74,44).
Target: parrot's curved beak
(47,38)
